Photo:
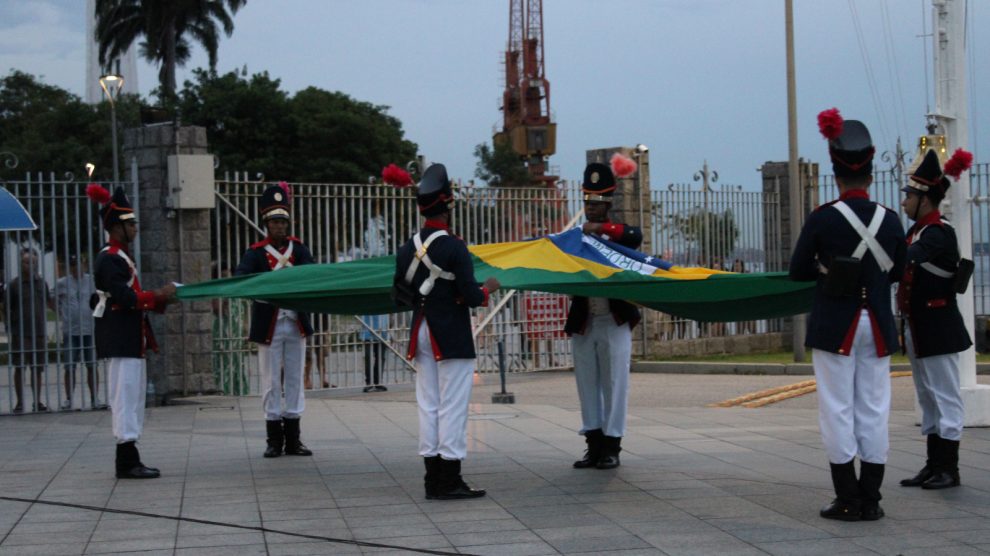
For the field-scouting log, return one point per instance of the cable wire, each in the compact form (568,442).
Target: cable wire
(870,76)
(231,525)
(893,71)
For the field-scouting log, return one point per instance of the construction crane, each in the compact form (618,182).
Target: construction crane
(526,100)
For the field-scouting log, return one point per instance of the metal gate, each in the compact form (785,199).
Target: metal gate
(47,334)
(341,222)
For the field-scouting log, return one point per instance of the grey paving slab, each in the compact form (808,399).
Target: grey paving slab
(694,480)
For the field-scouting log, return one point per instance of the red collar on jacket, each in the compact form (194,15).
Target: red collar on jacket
(855,194)
(436,224)
(119,245)
(267,241)
(933,218)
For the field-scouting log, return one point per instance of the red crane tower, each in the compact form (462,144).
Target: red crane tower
(526,99)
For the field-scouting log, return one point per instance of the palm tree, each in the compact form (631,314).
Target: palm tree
(167,26)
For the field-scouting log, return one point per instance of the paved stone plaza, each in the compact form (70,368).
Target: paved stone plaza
(693,480)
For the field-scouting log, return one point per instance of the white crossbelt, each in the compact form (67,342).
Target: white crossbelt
(868,235)
(941,273)
(282,260)
(101,305)
(422,257)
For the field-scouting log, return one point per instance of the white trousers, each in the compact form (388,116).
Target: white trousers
(601,369)
(128,382)
(854,399)
(443,392)
(936,383)
(285,355)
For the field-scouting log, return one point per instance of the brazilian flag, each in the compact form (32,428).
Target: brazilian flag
(571,263)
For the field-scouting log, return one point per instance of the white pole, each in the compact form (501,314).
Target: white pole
(796,212)
(952,113)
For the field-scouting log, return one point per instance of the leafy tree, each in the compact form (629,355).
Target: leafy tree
(247,120)
(500,166)
(714,233)
(167,26)
(50,129)
(313,136)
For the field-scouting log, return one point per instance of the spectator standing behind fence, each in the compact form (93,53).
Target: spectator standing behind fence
(374,350)
(72,294)
(28,299)
(229,344)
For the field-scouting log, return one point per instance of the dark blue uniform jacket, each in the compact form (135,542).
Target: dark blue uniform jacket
(123,330)
(447,307)
(926,300)
(265,315)
(622,311)
(826,235)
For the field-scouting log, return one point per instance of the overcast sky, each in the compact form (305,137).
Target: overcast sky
(692,79)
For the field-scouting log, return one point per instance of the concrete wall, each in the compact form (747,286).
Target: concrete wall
(184,362)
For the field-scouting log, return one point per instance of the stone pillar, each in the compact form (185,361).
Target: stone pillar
(777,239)
(184,362)
(632,205)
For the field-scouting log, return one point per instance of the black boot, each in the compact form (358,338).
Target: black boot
(946,472)
(129,465)
(137,455)
(453,486)
(870,479)
(594,452)
(294,446)
(611,446)
(432,479)
(276,438)
(846,506)
(928,470)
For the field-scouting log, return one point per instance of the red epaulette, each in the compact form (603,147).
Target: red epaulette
(260,244)
(828,204)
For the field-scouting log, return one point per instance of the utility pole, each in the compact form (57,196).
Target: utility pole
(952,115)
(796,212)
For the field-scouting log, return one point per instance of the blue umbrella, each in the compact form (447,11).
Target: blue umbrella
(13,217)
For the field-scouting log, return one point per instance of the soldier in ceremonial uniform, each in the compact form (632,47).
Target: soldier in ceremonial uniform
(601,333)
(435,276)
(123,333)
(280,333)
(934,332)
(855,249)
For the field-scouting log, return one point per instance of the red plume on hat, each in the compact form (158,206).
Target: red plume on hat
(98,193)
(622,166)
(960,162)
(288,191)
(396,177)
(830,123)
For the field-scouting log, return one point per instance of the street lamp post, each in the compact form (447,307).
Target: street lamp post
(111,84)
(641,154)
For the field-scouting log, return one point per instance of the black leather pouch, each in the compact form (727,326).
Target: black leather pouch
(963,273)
(843,276)
(403,294)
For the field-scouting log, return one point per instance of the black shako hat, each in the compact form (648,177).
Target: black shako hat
(599,183)
(274,204)
(852,151)
(118,210)
(928,178)
(434,195)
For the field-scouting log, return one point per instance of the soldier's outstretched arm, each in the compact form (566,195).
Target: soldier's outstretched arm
(803,265)
(467,286)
